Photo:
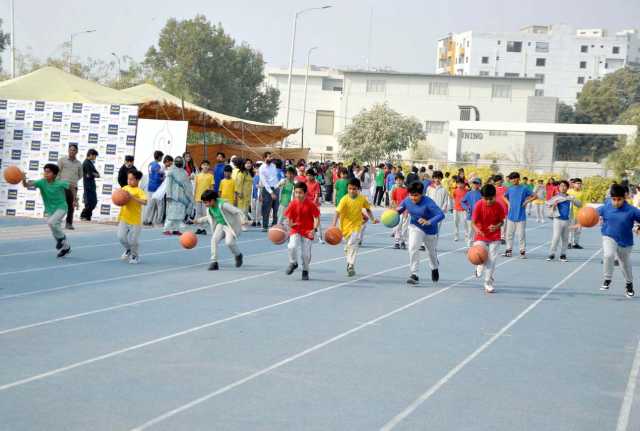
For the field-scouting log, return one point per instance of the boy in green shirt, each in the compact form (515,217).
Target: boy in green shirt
(54,198)
(286,192)
(341,186)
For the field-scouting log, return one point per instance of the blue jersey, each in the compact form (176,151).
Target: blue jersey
(256,186)
(517,195)
(426,209)
(155,176)
(469,201)
(218,176)
(618,222)
(391,180)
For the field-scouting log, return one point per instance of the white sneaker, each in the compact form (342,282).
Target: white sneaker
(478,271)
(134,260)
(126,255)
(455,239)
(488,288)
(320,241)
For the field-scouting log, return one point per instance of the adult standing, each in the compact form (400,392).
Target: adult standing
(154,208)
(269,190)
(70,171)
(328,182)
(218,171)
(89,175)
(179,196)
(379,179)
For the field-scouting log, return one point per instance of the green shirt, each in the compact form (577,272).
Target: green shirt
(342,187)
(380,178)
(53,194)
(286,192)
(216,213)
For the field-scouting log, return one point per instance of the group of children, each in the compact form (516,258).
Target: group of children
(489,215)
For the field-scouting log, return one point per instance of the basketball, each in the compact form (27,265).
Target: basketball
(188,240)
(120,197)
(390,218)
(278,234)
(333,236)
(588,217)
(12,174)
(477,255)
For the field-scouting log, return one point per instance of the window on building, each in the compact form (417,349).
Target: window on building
(539,92)
(580,79)
(541,62)
(438,88)
(501,91)
(540,78)
(324,122)
(376,85)
(498,42)
(583,65)
(329,148)
(584,48)
(542,46)
(511,75)
(616,50)
(329,84)
(606,65)
(484,73)
(434,127)
(514,46)
(498,133)
(485,60)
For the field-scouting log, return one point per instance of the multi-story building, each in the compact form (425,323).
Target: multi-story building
(334,97)
(561,59)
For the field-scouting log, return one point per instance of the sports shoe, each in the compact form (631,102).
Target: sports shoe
(508,253)
(126,255)
(64,252)
(305,275)
(264,229)
(578,247)
(435,275)
(563,258)
(351,271)
(239,260)
(403,245)
(478,271)
(59,243)
(570,246)
(456,239)
(630,292)
(503,241)
(167,232)
(69,226)
(320,241)
(606,284)
(616,262)
(489,288)
(292,267)
(360,243)
(213,266)
(551,257)
(396,246)
(176,232)
(523,254)
(134,260)
(413,279)
(423,248)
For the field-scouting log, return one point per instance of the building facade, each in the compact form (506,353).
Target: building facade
(335,97)
(560,58)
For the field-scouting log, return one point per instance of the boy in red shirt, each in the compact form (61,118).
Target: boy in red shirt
(487,219)
(314,195)
(304,218)
(459,213)
(398,194)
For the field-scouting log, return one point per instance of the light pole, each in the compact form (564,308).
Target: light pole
(293,45)
(306,84)
(71,45)
(119,68)
(13,40)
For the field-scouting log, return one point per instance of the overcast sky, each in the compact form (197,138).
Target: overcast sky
(404,31)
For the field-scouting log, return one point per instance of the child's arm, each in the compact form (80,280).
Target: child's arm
(336,217)
(141,201)
(373,219)
(25,182)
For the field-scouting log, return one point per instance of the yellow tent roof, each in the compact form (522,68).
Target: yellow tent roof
(52,84)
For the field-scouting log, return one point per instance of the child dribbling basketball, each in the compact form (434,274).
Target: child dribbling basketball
(304,217)
(130,217)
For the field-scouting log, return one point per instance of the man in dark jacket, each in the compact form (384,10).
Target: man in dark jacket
(89,175)
(124,170)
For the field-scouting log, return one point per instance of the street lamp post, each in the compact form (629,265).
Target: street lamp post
(306,84)
(119,68)
(71,45)
(13,40)
(293,45)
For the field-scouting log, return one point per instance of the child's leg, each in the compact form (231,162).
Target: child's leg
(320,237)
(123,235)
(351,248)
(490,265)
(457,221)
(540,212)
(405,228)
(624,256)
(230,240)
(555,239)
(294,244)
(510,230)
(55,224)
(416,238)
(469,233)
(521,231)
(430,243)
(609,249)
(281,217)
(216,237)
(305,245)
(483,266)
(564,230)
(134,238)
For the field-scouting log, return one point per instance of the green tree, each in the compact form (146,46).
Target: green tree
(603,100)
(626,159)
(197,60)
(5,39)
(380,134)
(580,147)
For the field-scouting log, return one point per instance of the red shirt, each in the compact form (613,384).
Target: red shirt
(487,215)
(458,195)
(551,191)
(313,191)
(399,194)
(301,215)
(300,179)
(500,190)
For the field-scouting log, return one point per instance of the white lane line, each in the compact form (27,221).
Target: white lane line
(128,276)
(305,352)
(455,370)
(627,402)
(198,328)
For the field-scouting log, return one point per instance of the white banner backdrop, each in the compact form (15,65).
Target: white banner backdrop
(170,137)
(34,133)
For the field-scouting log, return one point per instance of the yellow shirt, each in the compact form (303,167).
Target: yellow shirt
(203,182)
(579,195)
(228,190)
(350,211)
(131,212)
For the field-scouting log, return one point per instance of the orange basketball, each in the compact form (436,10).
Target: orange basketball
(477,255)
(120,197)
(12,174)
(188,240)
(588,217)
(333,236)
(278,234)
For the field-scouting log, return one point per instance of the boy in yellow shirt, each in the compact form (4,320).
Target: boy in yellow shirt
(228,187)
(130,217)
(575,230)
(204,181)
(349,212)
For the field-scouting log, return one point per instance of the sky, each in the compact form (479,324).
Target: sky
(404,32)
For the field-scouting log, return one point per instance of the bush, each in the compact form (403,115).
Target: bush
(595,188)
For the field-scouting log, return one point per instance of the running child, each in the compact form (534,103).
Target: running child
(286,191)
(459,213)
(304,217)
(226,223)
(560,210)
(618,220)
(423,230)
(130,217)
(579,200)
(399,194)
(518,196)
(54,198)
(540,193)
(468,203)
(204,181)
(487,220)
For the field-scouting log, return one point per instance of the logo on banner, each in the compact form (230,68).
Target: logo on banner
(113,129)
(55,136)
(11,212)
(1,144)
(37,126)
(111,149)
(36,145)
(109,169)
(131,140)
(30,205)
(34,165)
(133,120)
(17,135)
(115,110)
(3,123)
(105,209)
(39,106)
(107,189)
(12,194)
(95,119)
(93,138)
(57,117)
(75,128)
(19,115)
(53,156)
(77,108)
(3,104)
(16,154)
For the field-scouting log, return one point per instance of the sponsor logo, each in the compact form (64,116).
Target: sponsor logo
(56,117)
(39,106)
(95,119)
(20,115)
(55,136)
(3,123)
(131,140)
(93,138)
(11,212)
(53,156)
(37,126)
(105,209)
(17,135)
(115,110)
(113,129)
(34,165)
(133,120)
(3,104)
(77,108)
(1,144)
(111,149)
(16,154)
(107,189)
(36,145)
(74,128)
(12,194)
(109,169)
(30,205)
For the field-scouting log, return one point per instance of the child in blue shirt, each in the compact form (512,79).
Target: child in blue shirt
(618,220)
(468,202)
(560,209)
(423,229)
(255,200)
(518,196)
